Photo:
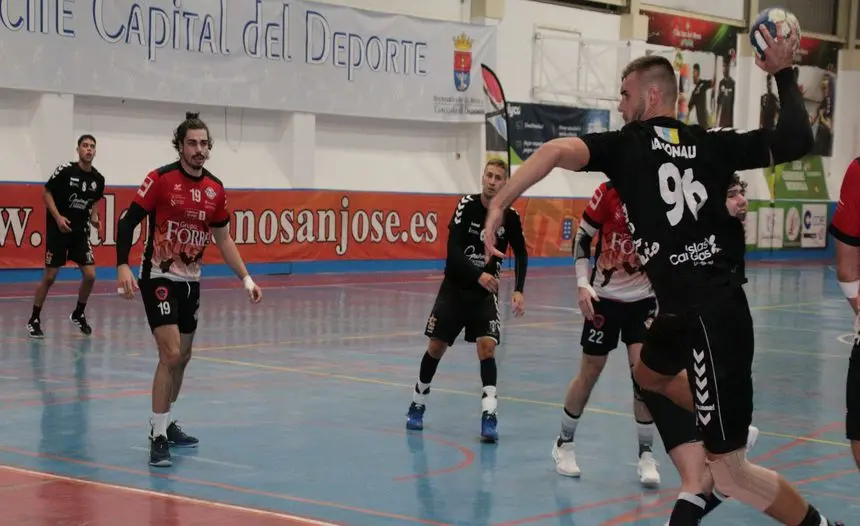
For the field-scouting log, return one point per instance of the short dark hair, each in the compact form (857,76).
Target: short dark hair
(736,181)
(192,122)
(657,69)
(84,137)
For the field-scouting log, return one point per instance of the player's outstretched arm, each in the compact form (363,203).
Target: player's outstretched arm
(570,153)
(230,253)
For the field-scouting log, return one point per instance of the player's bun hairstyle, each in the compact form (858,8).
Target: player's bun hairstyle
(192,122)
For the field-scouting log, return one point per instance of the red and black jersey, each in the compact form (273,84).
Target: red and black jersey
(181,210)
(845,225)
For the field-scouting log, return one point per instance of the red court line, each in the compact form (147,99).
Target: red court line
(468,460)
(217,485)
(27,496)
(833,426)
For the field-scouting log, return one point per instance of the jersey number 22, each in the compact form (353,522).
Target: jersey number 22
(677,190)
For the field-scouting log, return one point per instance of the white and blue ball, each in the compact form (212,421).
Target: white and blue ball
(781,23)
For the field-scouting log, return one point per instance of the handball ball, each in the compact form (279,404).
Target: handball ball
(781,24)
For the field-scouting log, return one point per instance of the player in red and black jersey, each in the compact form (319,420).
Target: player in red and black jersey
(845,228)
(186,207)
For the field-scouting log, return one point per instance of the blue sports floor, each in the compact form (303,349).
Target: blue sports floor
(300,403)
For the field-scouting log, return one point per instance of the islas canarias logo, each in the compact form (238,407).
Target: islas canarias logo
(462,62)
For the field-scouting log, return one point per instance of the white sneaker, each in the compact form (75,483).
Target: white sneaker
(648,474)
(565,459)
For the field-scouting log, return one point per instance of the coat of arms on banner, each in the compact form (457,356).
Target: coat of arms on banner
(462,62)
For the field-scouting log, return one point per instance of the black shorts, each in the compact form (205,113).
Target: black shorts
(852,395)
(613,320)
(61,247)
(716,348)
(169,302)
(456,309)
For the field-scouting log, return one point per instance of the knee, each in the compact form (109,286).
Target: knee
(855,449)
(648,380)
(591,369)
(734,476)
(49,278)
(170,356)
(486,348)
(436,348)
(89,275)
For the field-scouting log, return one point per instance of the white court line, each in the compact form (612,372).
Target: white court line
(168,496)
(201,459)
(433,294)
(265,288)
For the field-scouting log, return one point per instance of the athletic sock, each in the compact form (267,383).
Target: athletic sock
(37,311)
(646,437)
(568,426)
(489,376)
(79,310)
(813,518)
(688,511)
(428,368)
(159,424)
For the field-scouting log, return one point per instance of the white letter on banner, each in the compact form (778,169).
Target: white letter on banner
(375,53)
(251,35)
(98,19)
(356,55)
(5,18)
(339,58)
(64,15)
(159,30)
(314,20)
(134,22)
(420,56)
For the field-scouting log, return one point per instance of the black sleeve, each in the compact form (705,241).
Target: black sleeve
(588,228)
(60,176)
(125,232)
(603,152)
(521,255)
(456,260)
(791,140)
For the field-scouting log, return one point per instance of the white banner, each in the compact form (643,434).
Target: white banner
(281,55)
(814,226)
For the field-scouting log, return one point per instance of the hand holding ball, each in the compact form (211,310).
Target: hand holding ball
(775,37)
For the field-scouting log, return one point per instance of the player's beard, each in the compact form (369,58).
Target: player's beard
(640,111)
(195,161)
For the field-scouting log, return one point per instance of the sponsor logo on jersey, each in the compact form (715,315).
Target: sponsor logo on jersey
(698,254)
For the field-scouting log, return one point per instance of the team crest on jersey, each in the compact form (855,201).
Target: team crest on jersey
(210,192)
(161,293)
(669,135)
(598,321)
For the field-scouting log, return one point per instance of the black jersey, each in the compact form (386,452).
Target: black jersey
(673,180)
(464,263)
(75,192)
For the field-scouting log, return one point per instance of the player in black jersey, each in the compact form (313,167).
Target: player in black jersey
(71,195)
(673,181)
(468,296)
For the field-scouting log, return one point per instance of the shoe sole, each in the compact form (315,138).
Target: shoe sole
(182,446)
(37,336)
(161,464)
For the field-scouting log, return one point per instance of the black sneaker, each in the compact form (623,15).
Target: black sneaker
(80,321)
(177,438)
(34,327)
(159,453)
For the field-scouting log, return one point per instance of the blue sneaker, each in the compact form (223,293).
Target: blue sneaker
(415,417)
(176,437)
(489,423)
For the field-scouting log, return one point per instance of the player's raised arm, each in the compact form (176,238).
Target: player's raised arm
(792,138)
